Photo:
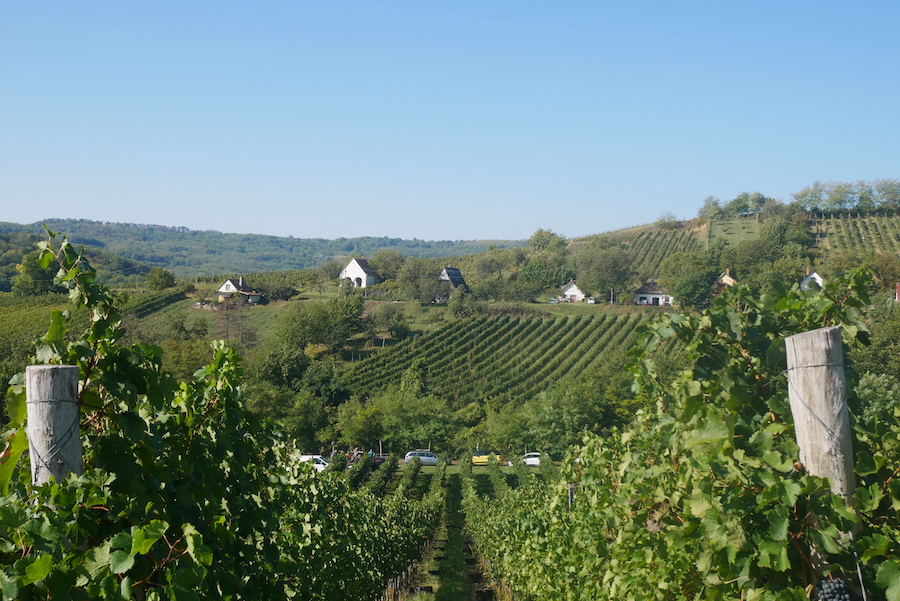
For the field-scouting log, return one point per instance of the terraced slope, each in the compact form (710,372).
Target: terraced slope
(502,358)
(856,233)
(651,247)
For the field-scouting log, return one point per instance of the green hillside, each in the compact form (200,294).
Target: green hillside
(191,253)
(732,231)
(856,233)
(503,359)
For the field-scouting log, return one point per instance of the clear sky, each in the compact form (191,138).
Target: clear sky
(436,120)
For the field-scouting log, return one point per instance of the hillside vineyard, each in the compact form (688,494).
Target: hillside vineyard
(505,358)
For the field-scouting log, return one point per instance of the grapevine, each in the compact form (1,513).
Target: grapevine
(185,495)
(701,497)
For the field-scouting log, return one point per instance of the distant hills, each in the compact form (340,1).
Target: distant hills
(192,253)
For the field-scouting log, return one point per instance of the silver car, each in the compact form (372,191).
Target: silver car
(532,459)
(317,460)
(425,456)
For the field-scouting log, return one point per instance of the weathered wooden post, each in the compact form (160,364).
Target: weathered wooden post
(817,390)
(54,440)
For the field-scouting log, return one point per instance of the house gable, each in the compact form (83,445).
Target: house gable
(452,275)
(572,293)
(359,273)
(810,279)
(237,286)
(651,294)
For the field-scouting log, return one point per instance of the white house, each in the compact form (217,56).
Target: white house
(811,278)
(360,274)
(572,293)
(236,286)
(651,294)
(724,280)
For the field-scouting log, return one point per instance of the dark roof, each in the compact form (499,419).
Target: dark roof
(452,275)
(650,288)
(239,285)
(364,265)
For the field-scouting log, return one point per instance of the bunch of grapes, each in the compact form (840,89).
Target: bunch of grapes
(834,590)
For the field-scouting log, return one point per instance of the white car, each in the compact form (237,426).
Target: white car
(317,460)
(424,455)
(532,459)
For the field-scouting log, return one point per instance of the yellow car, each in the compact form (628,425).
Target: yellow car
(481,457)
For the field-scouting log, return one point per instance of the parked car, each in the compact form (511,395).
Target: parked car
(424,455)
(317,460)
(481,457)
(379,458)
(532,459)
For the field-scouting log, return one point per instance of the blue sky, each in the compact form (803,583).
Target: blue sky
(435,120)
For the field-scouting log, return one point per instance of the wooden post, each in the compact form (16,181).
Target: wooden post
(818,394)
(54,440)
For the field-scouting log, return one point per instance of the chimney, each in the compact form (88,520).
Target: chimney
(241,282)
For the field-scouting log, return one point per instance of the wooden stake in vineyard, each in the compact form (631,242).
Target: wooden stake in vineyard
(52,427)
(817,389)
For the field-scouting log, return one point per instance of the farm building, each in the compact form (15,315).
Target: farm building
(452,275)
(359,273)
(812,278)
(725,279)
(450,279)
(571,293)
(237,286)
(651,294)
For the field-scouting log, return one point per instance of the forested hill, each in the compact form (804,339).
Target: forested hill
(190,253)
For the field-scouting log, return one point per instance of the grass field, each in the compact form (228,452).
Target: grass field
(734,230)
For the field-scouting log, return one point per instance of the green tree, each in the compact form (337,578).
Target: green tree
(387,262)
(34,277)
(418,279)
(391,318)
(462,303)
(160,279)
(688,277)
(887,193)
(605,268)
(276,290)
(711,209)
(545,241)
(285,366)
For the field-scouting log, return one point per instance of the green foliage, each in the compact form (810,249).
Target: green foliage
(276,290)
(142,304)
(604,267)
(191,253)
(861,196)
(329,323)
(502,359)
(402,417)
(184,495)
(701,498)
(688,277)
(160,279)
(417,279)
(34,279)
(24,321)
(387,262)
(285,366)
(13,247)
(463,304)
(390,318)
